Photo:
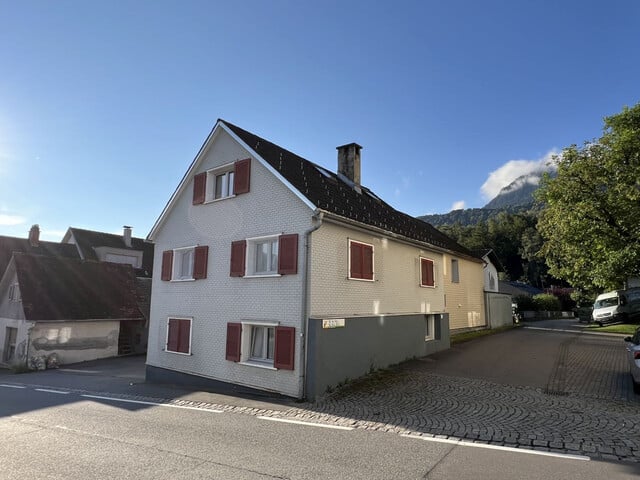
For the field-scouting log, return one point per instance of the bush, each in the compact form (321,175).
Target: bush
(547,302)
(525,303)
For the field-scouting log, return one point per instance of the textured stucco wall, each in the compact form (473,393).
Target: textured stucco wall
(396,288)
(269,208)
(368,343)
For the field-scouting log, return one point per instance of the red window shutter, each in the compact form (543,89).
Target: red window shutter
(356,260)
(201,257)
(426,268)
(199,188)
(184,337)
(173,334)
(288,254)
(285,348)
(238,251)
(242,176)
(234,334)
(367,262)
(167,264)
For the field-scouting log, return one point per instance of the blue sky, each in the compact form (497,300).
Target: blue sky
(103,105)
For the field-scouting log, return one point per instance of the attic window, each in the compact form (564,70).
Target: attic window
(220,183)
(14,293)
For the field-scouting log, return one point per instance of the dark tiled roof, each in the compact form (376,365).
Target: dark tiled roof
(54,288)
(329,192)
(88,240)
(518,288)
(11,245)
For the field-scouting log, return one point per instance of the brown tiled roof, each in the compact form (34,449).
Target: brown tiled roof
(11,245)
(328,191)
(88,240)
(55,288)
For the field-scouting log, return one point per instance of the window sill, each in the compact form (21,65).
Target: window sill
(362,279)
(179,353)
(429,338)
(264,366)
(266,275)
(428,286)
(214,200)
(183,279)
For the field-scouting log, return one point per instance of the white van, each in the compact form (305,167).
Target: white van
(617,306)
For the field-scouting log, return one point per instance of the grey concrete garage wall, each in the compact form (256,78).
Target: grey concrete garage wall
(498,309)
(367,343)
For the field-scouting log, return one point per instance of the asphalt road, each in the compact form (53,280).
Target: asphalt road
(62,434)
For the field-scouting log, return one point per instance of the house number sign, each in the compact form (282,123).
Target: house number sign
(333,323)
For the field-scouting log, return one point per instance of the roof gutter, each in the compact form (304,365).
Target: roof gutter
(317,217)
(338,219)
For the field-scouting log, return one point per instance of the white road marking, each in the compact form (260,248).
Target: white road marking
(309,424)
(11,386)
(77,370)
(51,391)
(141,402)
(464,443)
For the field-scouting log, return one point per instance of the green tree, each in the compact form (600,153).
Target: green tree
(591,216)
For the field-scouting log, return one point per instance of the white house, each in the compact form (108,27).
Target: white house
(276,274)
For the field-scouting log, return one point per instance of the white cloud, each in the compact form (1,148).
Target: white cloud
(507,173)
(9,220)
(459,205)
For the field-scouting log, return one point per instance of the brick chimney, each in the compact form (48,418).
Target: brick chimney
(349,162)
(34,235)
(126,235)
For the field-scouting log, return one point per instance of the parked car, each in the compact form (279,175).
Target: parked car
(633,351)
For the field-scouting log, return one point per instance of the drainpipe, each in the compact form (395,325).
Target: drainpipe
(317,216)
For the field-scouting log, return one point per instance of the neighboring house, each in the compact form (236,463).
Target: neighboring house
(108,247)
(498,309)
(125,249)
(517,289)
(64,306)
(72,294)
(277,274)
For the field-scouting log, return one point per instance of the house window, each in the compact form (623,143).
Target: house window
(178,335)
(183,264)
(266,256)
(14,292)
(427,277)
(187,263)
(222,182)
(271,255)
(261,344)
(219,184)
(455,272)
(360,261)
(430,330)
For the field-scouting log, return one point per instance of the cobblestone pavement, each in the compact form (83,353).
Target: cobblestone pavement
(587,407)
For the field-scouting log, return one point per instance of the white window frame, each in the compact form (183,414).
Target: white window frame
(373,261)
(228,173)
(455,272)
(433,262)
(14,292)
(246,347)
(430,334)
(166,339)
(176,268)
(251,254)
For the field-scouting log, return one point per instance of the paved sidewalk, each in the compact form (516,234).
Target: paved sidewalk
(558,392)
